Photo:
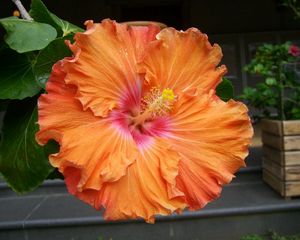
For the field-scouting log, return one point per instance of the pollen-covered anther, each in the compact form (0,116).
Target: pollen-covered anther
(158,103)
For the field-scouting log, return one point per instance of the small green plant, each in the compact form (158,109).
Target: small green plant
(102,238)
(252,237)
(278,96)
(270,236)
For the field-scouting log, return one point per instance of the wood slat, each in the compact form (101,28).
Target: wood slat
(283,173)
(283,158)
(291,142)
(274,155)
(281,128)
(292,158)
(281,142)
(291,127)
(272,126)
(292,189)
(292,173)
(272,140)
(285,188)
(274,182)
(274,168)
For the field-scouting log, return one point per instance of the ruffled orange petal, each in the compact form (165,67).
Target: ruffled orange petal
(141,37)
(143,191)
(183,60)
(101,151)
(136,151)
(212,138)
(61,98)
(104,66)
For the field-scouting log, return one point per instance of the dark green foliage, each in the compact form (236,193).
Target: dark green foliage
(225,90)
(28,52)
(279,93)
(40,13)
(252,237)
(17,80)
(23,163)
(270,236)
(47,57)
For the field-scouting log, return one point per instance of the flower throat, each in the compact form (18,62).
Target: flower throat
(155,104)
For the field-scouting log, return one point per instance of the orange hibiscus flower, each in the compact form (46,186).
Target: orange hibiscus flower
(140,129)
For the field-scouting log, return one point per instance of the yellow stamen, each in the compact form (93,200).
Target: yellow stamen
(168,94)
(155,104)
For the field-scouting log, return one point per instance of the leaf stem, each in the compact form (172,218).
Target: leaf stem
(25,15)
(292,5)
(281,93)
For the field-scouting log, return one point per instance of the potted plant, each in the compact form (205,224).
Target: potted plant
(276,101)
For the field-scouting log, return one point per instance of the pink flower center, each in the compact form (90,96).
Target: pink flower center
(148,119)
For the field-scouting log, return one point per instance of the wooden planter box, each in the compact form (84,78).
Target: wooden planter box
(281,163)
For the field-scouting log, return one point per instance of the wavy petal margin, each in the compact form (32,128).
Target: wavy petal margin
(212,138)
(142,192)
(104,64)
(89,143)
(183,60)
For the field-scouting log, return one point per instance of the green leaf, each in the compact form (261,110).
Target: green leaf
(40,13)
(225,90)
(25,36)
(23,163)
(16,77)
(271,81)
(258,68)
(47,57)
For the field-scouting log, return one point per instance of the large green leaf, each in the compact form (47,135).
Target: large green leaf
(225,90)
(25,36)
(23,163)
(47,57)
(16,76)
(40,13)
